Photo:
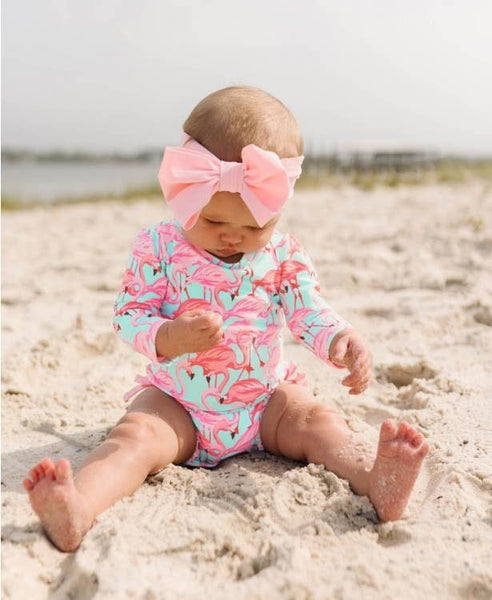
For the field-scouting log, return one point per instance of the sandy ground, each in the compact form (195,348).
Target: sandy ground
(410,268)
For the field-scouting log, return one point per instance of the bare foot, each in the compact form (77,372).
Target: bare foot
(401,451)
(62,510)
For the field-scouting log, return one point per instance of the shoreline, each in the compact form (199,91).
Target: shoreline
(365,180)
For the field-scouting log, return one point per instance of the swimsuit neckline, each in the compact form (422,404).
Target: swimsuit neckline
(245,260)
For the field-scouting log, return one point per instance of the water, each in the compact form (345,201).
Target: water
(28,181)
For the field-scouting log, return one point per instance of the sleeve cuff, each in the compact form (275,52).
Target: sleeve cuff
(343,326)
(151,350)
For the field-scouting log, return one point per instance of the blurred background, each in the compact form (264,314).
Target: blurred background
(385,92)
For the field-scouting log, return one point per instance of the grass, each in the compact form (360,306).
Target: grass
(10,203)
(451,172)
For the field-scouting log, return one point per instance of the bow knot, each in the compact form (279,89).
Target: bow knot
(231,177)
(190,175)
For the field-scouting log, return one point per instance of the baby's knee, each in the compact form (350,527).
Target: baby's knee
(137,427)
(317,415)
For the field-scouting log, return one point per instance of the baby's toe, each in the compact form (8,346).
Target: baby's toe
(388,430)
(47,464)
(63,470)
(35,474)
(424,450)
(417,439)
(28,485)
(403,431)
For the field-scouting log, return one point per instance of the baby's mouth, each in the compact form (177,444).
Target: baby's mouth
(229,251)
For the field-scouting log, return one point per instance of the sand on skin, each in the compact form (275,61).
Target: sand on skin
(409,267)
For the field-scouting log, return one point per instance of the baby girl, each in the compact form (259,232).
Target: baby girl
(205,297)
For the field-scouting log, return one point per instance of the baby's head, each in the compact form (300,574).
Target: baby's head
(240,159)
(229,119)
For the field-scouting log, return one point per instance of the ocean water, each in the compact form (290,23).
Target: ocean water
(29,181)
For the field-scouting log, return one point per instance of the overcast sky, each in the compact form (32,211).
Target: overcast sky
(108,75)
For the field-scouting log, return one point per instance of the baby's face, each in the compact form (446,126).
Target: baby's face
(227,229)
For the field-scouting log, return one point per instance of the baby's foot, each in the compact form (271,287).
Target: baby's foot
(62,510)
(401,451)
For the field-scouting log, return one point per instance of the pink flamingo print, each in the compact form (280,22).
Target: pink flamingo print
(158,287)
(151,305)
(244,442)
(167,232)
(247,310)
(320,342)
(215,448)
(270,281)
(143,253)
(196,304)
(214,281)
(290,272)
(184,368)
(164,381)
(218,360)
(268,338)
(297,322)
(229,425)
(144,245)
(208,395)
(131,284)
(183,258)
(125,308)
(244,390)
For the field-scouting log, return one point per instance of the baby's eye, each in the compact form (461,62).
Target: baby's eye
(214,222)
(253,228)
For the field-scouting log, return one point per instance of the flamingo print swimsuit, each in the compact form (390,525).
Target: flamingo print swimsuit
(225,389)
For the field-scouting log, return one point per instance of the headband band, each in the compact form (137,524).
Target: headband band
(190,175)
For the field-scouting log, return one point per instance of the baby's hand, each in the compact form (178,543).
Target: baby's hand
(349,350)
(192,331)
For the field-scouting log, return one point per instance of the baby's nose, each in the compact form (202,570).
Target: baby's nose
(231,236)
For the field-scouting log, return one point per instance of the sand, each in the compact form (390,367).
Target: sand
(409,267)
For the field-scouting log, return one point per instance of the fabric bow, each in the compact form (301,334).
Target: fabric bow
(190,175)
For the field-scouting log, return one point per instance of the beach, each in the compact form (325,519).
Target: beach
(409,267)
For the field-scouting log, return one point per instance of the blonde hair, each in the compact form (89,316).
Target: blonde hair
(229,119)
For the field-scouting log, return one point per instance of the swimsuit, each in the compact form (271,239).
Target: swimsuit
(225,388)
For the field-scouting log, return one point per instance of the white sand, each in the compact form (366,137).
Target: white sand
(410,268)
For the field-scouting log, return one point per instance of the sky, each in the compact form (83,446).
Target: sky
(123,76)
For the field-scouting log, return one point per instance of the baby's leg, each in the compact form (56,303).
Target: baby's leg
(295,425)
(154,432)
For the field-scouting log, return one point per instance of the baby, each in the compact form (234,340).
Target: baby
(205,297)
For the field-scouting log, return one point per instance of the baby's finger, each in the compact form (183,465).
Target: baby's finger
(216,320)
(361,367)
(216,337)
(339,353)
(357,390)
(360,357)
(196,312)
(356,380)
(207,321)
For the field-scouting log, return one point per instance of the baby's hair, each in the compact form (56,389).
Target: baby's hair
(229,119)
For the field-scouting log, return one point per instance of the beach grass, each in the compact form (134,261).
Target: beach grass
(450,172)
(153,192)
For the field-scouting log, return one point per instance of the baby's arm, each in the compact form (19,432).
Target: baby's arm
(137,316)
(315,323)
(138,319)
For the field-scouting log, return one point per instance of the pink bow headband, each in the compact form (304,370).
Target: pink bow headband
(190,175)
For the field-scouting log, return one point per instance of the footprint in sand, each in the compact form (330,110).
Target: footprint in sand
(481,313)
(402,374)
